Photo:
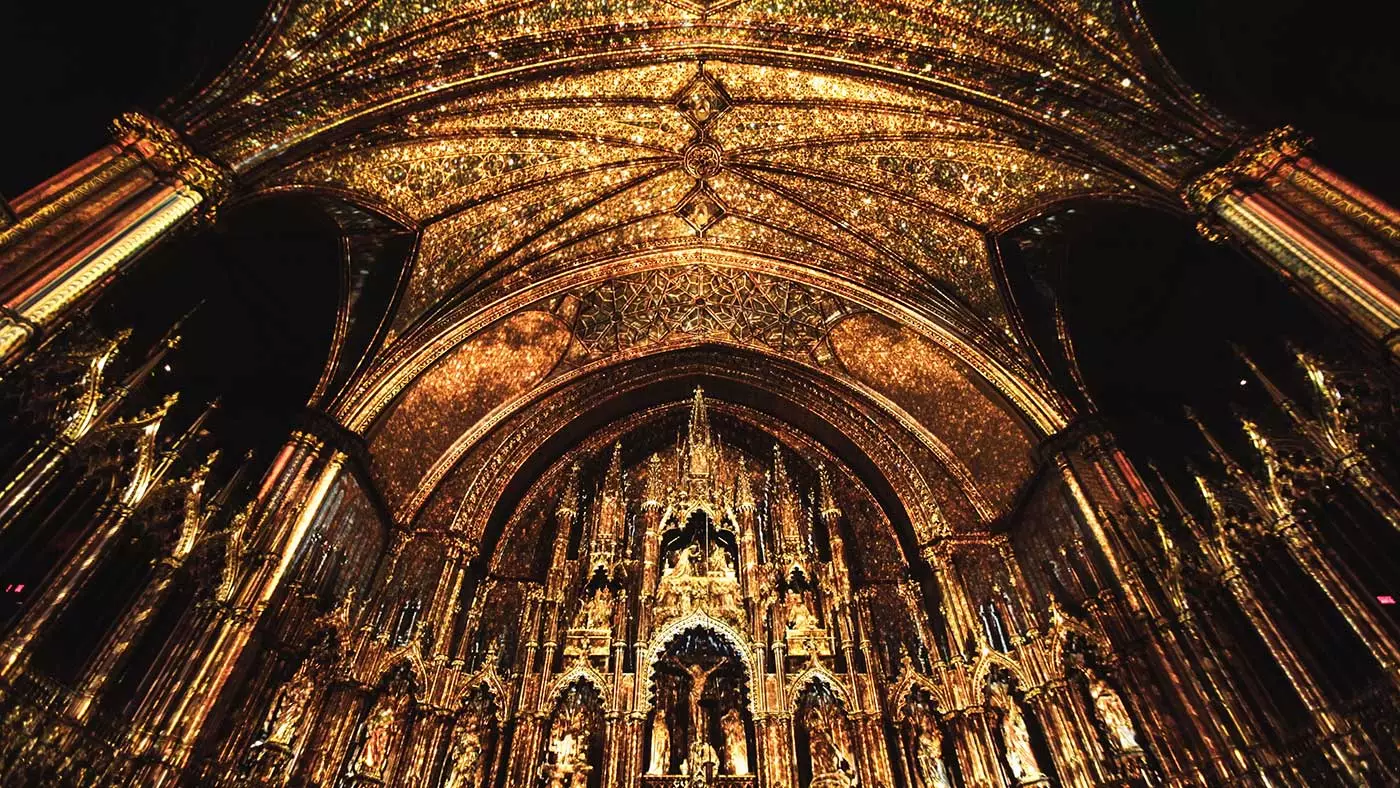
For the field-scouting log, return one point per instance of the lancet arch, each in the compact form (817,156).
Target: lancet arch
(666,637)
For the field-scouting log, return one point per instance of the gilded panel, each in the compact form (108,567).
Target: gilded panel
(488,370)
(931,387)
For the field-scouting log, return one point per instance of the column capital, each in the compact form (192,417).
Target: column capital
(1090,431)
(164,150)
(1252,162)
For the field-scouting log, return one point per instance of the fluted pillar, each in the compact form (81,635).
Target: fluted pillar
(59,591)
(120,639)
(977,753)
(287,506)
(1148,618)
(1330,725)
(77,230)
(1327,236)
(1071,746)
(958,610)
(1358,610)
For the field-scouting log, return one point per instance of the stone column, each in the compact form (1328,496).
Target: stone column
(1147,619)
(959,615)
(1330,725)
(324,752)
(76,231)
(1358,610)
(286,508)
(1332,240)
(1072,748)
(977,752)
(120,639)
(59,591)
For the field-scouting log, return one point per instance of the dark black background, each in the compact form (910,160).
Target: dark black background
(1151,306)
(1329,68)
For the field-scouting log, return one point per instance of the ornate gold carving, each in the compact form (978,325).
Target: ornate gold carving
(161,147)
(1251,165)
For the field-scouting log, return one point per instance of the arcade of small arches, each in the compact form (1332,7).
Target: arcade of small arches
(701,593)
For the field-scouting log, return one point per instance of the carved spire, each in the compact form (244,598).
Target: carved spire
(610,521)
(1209,495)
(655,493)
(826,504)
(1182,510)
(1220,455)
(1215,546)
(831,514)
(612,483)
(699,418)
(1282,400)
(568,500)
(699,460)
(1341,423)
(786,511)
(565,516)
(743,490)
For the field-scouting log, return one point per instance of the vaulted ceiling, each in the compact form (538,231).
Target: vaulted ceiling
(816,182)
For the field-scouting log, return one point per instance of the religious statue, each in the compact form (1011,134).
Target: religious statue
(736,742)
(1020,757)
(830,748)
(928,754)
(289,708)
(597,611)
(800,613)
(374,747)
(464,759)
(660,744)
(562,772)
(1114,715)
(719,565)
(684,565)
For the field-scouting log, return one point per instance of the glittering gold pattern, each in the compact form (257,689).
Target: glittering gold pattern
(701,445)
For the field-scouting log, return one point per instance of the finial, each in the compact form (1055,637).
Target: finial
(826,504)
(568,501)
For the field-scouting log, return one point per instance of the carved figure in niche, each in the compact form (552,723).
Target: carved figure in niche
(703,760)
(597,611)
(289,708)
(800,613)
(567,767)
(830,748)
(660,743)
(684,565)
(736,743)
(928,753)
(1020,757)
(464,762)
(719,565)
(374,748)
(1114,715)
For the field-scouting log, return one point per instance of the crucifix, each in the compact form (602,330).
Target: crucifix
(699,676)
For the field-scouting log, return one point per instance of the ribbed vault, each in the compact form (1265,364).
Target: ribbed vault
(597,184)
